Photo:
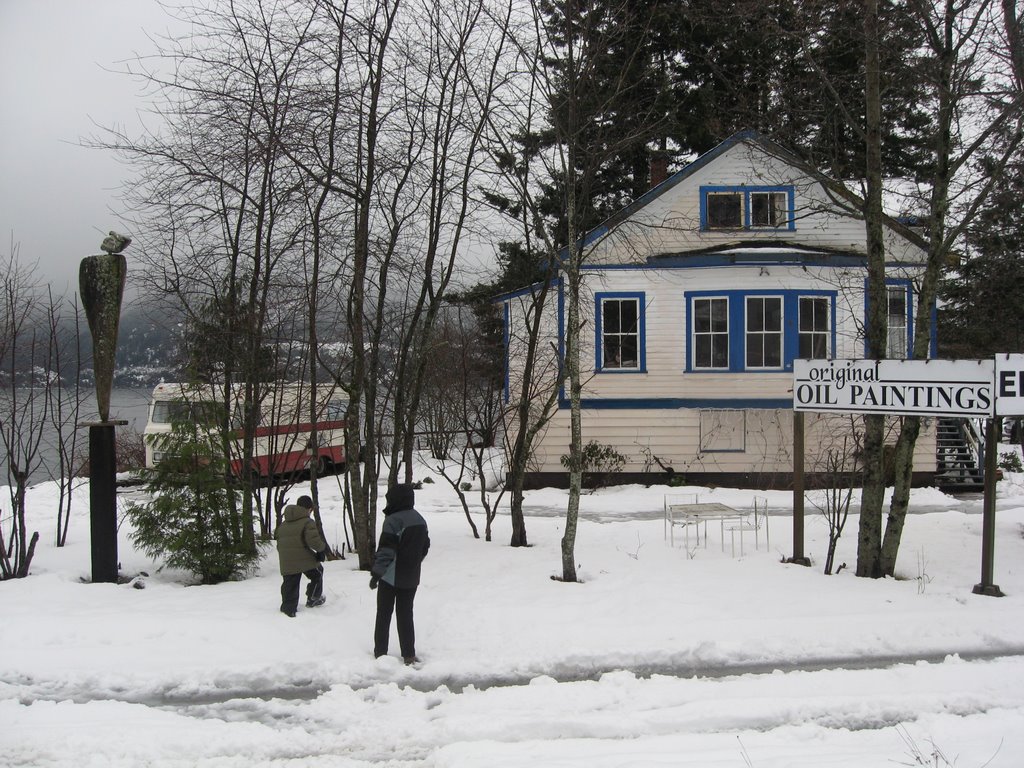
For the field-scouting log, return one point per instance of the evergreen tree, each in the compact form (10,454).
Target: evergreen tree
(217,341)
(618,102)
(190,522)
(735,65)
(983,312)
(793,70)
(676,77)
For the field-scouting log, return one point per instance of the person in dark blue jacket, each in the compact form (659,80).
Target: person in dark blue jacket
(396,570)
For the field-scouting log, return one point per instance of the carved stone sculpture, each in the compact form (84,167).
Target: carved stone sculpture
(101,284)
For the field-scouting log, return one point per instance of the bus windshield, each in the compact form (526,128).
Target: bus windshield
(168,411)
(171,411)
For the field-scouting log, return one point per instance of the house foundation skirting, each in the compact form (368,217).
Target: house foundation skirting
(764,481)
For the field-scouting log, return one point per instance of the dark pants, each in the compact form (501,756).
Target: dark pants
(399,601)
(290,588)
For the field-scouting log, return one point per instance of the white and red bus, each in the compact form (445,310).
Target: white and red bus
(283,437)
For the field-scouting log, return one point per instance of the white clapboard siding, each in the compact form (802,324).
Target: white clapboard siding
(674,437)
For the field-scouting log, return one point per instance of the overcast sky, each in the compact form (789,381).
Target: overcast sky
(56,196)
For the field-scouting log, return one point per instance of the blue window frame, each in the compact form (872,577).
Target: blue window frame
(747,208)
(900,320)
(620,333)
(756,331)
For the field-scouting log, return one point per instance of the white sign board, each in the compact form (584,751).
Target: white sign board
(909,387)
(1009,385)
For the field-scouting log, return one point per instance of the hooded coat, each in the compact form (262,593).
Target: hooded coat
(298,541)
(404,540)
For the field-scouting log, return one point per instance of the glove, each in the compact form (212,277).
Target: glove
(321,556)
(373,582)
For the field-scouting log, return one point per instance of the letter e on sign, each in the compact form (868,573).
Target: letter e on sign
(1010,385)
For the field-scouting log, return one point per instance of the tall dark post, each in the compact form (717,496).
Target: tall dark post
(103,502)
(798,491)
(988,523)
(101,286)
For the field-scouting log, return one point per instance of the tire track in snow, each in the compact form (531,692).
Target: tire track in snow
(28,691)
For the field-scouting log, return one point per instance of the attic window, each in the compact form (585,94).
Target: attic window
(747,208)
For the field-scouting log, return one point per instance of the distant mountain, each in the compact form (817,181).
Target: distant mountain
(147,350)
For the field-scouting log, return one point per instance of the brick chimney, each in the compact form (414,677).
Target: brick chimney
(659,168)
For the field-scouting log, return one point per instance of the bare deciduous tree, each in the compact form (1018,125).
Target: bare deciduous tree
(217,206)
(975,53)
(65,406)
(567,53)
(969,78)
(26,371)
(465,384)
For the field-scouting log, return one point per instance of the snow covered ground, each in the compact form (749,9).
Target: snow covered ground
(662,656)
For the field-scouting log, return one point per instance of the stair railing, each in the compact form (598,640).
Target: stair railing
(973,433)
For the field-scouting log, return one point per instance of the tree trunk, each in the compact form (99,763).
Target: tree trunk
(526,432)
(518,538)
(903,458)
(903,464)
(26,562)
(572,363)
(869,541)
(873,494)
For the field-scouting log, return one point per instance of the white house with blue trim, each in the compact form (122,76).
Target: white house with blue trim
(699,297)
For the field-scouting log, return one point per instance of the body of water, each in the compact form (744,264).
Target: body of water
(126,404)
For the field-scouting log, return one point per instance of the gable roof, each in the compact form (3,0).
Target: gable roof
(770,148)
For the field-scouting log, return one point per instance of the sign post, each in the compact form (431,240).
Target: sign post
(798,491)
(1009,397)
(958,388)
(988,521)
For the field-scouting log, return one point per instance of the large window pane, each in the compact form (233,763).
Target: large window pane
(755,352)
(897,346)
(702,316)
(755,314)
(720,315)
(814,328)
(702,351)
(720,353)
(768,209)
(620,333)
(171,411)
(764,332)
(711,333)
(724,210)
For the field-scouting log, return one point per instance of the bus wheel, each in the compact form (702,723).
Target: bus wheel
(323,466)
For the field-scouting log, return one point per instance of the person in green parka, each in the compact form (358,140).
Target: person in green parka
(301,550)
